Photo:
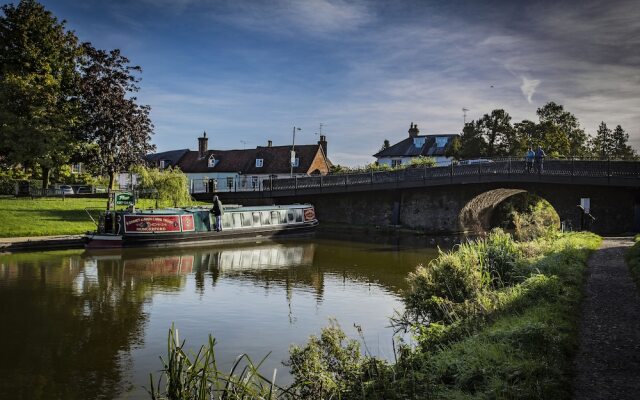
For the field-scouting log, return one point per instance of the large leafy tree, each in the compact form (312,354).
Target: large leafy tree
(470,144)
(498,132)
(119,127)
(559,122)
(38,88)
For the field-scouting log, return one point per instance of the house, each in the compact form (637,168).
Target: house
(231,170)
(416,145)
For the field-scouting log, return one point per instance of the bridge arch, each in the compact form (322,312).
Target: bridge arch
(476,214)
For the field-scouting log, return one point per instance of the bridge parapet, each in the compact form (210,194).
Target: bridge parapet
(594,172)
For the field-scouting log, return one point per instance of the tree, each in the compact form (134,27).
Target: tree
(602,144)
(38,88)
(120,128)
(621,148)
(497,131)
(168,185)
(556,119)
(471,143)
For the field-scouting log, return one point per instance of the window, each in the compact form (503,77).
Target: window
(418,141)
(290,215)
(227,220)
(229,183)
(162,164)
(237,223)
(265,218)
(256,218)
(283,216)
(275,217)
(259,162)
(76,168)
(396,163)
(212,162)
(296,162)
(254,182)
(246,219)
(298,212)
(441,141)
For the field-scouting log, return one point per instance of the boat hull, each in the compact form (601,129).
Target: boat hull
(183,239)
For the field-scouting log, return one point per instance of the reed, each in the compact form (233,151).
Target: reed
(198,377)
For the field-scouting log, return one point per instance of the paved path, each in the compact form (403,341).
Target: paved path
(40,242)
(608,360)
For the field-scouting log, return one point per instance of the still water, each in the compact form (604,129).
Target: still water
(85,325)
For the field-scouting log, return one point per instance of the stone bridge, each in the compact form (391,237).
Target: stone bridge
(454,199)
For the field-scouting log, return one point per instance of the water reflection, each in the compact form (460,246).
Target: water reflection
(83,325)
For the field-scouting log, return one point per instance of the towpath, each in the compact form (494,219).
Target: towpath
(41,242)
(608,362)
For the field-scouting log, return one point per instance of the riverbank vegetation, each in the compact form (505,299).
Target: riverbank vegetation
(493,318)
(632,257)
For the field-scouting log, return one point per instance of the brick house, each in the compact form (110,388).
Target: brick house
(230,170)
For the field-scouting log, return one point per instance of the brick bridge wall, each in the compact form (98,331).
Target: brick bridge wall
(452,209)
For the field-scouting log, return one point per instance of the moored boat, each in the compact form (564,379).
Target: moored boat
(196,225)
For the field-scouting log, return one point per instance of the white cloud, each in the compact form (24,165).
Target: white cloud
(529,87)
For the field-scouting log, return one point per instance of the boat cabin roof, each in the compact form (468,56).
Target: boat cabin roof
(227,208)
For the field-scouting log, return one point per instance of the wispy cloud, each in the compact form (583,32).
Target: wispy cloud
(529,87)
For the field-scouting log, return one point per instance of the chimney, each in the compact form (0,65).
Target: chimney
(323,142)
(413,130)
(269,143)
(203,145)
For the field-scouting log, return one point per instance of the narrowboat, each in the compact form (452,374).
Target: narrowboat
(196,225)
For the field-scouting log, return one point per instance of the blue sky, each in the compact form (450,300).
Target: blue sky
(248,71)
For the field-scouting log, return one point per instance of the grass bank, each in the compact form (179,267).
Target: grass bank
(491,319)
(50,216)
(632,257)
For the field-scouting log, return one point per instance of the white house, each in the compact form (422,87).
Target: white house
(416,145)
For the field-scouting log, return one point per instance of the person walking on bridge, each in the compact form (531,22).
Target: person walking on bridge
(529,159)
(539,159)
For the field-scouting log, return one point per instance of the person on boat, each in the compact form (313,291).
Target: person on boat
(216,210)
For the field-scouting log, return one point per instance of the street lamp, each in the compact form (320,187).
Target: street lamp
(293,152)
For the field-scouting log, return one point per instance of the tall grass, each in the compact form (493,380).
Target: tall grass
(632,257)
(198,377)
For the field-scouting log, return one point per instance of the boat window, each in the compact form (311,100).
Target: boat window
(265,218)
(246,219)
(227,220)
(275,217)
(256,218)
(236,220)
(290,216)
(298,212)
(283,216)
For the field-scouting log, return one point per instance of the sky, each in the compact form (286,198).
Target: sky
(249,71)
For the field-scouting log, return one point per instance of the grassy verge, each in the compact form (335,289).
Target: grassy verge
(50,216)
(493,319)
(632,258)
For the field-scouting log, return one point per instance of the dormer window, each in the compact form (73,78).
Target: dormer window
(259,162)
(212,161)
(418,141)
(441,141)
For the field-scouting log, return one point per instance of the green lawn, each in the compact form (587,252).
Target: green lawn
(50,216)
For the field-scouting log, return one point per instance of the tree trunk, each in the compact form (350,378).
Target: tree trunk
(110,202)
(46,172)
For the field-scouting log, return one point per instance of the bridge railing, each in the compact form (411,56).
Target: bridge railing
(488,168)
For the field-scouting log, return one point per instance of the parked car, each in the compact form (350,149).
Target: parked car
(83,190)
(475,161)
(66,190)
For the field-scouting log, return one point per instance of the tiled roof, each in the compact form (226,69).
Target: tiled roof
(275,160)
(173,156)
(407,148)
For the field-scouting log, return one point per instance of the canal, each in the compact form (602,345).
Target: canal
(80,325)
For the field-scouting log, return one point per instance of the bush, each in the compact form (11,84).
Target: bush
(540,221)
(167,186)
